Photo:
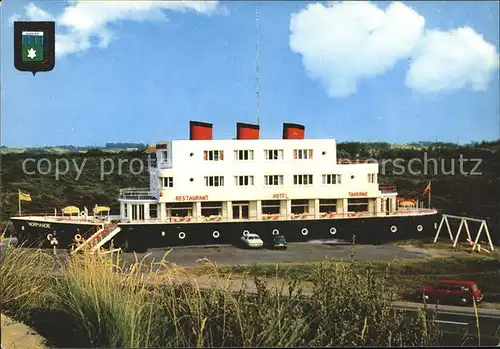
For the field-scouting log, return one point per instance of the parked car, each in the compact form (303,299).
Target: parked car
(278,242)
(252,240)
(451,291)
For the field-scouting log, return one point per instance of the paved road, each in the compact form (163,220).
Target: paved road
(296,252)
(459,326)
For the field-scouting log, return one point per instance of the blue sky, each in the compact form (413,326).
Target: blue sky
(355,72)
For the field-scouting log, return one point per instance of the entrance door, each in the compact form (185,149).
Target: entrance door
(236,212)
(388,205)
(137,212)
(240,210)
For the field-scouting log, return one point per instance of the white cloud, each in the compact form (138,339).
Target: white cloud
(33,12)
(15,17)
(447,61)
(81,21)
(342,43)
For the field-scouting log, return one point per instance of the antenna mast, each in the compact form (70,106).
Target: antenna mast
(257,80)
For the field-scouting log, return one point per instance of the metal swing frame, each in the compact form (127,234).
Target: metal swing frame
(463,223)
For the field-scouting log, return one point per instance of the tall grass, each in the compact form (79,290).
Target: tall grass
(160,305)
(111,305)
(25,275)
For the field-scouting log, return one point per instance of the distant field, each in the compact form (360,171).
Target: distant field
(62,150)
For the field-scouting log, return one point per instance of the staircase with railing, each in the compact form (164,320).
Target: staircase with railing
(97,239)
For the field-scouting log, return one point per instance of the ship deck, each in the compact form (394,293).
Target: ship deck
(214,219)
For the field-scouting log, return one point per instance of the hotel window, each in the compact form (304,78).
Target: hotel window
(302,179)
(164,156)
(273,180)
(243,181)
(273,154)
(357,205)
(270,207)
(327,205)
(213,155)
(302,154)
(300,206)
(181,209)
(214,181)
(211,208)
(243,155)
(372,178)
(153,211)
(332,179)
(167,182)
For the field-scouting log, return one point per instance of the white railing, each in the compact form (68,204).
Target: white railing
(164,164)
(272,217)
(56,218)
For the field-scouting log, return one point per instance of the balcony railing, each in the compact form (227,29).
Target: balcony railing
(273,217)
(164,164)
(138,194)
(387,188)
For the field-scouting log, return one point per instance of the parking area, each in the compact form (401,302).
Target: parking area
(296,252)
(190,256)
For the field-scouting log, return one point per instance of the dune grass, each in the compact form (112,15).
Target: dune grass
(106,303)
(24,275)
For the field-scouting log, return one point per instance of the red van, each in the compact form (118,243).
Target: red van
(451,291)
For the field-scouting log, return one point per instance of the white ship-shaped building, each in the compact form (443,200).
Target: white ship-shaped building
(206,191)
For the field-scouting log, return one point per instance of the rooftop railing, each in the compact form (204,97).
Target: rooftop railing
(138,194)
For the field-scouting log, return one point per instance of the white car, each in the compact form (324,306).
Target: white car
(252,240)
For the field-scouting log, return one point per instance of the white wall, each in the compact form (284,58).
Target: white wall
(185,167)
(153,180)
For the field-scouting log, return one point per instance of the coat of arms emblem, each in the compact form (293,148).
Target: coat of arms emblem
(34,46)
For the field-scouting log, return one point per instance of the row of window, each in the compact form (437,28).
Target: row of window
(241,208)
(269,180)
(269,154)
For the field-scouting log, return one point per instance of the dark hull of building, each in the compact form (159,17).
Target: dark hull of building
(139,237)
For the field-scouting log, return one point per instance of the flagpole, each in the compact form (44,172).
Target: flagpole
(19,200)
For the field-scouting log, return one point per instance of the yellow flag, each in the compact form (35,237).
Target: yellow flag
(24,196)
